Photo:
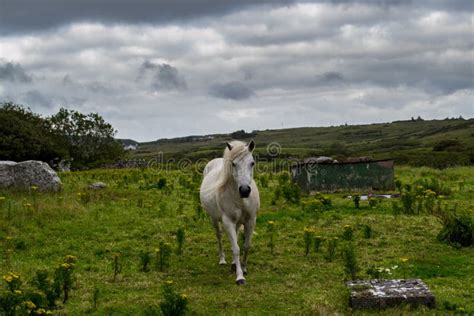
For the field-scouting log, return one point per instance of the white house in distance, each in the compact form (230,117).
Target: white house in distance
(130,147)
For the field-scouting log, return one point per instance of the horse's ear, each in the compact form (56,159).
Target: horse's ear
(251,145)
(229,146)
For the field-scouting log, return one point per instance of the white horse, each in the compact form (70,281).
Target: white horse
(229,195)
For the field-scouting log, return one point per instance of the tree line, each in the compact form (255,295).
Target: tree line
(86,140)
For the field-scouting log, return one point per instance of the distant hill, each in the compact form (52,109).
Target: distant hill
(437,143)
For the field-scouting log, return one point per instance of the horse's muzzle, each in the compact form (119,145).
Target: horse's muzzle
(244,191)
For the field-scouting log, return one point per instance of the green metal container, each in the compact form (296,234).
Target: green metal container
(373,175)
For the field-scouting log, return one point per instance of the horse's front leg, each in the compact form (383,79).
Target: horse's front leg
(217,227)
(249,227)
(230,228)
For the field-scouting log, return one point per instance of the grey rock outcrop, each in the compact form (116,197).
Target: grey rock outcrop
(24,175)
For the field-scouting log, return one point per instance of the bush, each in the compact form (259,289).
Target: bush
(25,135)
(324,200)
(173,304)
(350,261)
(85,139)
(457,229)
(288,190)
(448,145)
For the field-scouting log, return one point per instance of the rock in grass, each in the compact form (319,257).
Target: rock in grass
(370,294)
(28,174)
(98,186)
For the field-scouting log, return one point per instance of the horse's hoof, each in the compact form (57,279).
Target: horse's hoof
(222,263)
(240,282)
(233,267)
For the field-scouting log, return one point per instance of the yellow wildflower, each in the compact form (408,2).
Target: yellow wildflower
(65,265)
(271,222)
(34,187)
(10,277)
(70,258)
(2,198)
(41,311)
(18,292)
(347,226)
(169,282)
(404,259)
(30,305)
(184,296)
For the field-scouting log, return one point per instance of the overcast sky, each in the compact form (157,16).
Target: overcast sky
(172,68)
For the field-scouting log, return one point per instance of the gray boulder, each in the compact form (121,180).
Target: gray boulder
(98,186)
(24,175)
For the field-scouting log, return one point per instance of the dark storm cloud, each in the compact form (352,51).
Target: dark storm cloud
(164,76)
(29,15)
(18,16)
(234,90)
(13,72)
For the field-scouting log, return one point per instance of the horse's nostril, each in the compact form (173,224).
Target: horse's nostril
(244,190)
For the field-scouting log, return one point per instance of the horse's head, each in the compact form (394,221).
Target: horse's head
(240,162)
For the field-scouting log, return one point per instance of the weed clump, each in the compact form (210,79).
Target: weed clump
(457,228)
(174,303)
(351,267)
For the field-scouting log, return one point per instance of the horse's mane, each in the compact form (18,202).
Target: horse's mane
(239,149)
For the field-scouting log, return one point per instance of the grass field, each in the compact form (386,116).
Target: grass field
(137,211)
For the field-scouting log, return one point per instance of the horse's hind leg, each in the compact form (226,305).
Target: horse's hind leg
(217,227)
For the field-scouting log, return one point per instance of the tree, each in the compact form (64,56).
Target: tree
(88,138)
(25,135)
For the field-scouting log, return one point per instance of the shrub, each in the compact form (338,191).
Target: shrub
(457,228)
(350,261)
(145,260)
(308,239)
(356,200)
(318,240)
(180,236)
(117,266)
(163,256)
(173,304)
(290,191)
(331,248)
(367,230)
(43,283)
(373,202)
(434,185)
(324,200)
(63,277)
(348,232)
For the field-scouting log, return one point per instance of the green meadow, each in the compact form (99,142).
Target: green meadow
(119,235)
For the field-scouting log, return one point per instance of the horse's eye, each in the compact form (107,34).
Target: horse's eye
(233,164)
(252,163)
